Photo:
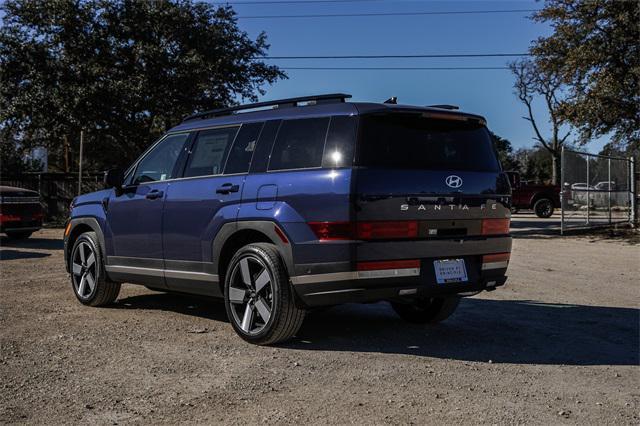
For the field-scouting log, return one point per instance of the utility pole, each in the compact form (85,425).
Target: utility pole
(80,163)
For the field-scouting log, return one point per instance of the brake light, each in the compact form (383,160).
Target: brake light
(388,264)
(387,229)
(495,226)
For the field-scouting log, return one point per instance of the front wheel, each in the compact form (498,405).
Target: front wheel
(258,298)
(88,278)
(430,310)
(543,208)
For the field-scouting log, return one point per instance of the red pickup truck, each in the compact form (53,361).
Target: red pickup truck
(542,199)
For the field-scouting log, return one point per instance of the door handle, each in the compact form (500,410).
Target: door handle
(227,188)
(152,195)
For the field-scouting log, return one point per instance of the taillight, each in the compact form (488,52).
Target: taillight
(376,230)
(387,230)
(329,231)
(9,218)
(495,226)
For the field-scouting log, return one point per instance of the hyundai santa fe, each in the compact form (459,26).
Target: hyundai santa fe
(284,206)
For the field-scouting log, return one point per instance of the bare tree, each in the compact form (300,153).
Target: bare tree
(531,83)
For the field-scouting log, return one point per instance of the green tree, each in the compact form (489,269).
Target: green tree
(505,152)
(535,164)
(594,51)
(123,71)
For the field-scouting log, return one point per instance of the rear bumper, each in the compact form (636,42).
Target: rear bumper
(369,286)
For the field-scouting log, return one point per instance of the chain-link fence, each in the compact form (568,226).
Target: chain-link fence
(56,189)
(597,190)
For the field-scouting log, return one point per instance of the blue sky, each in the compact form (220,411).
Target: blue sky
(487,92)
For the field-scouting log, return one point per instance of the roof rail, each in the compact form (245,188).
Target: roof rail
(279,103)
(444,106)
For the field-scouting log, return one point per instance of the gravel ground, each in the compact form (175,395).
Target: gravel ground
(558,345)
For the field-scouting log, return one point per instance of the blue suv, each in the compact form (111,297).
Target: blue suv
(280,207)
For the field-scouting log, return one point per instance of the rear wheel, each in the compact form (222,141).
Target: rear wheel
(19,235)
(88,279)
(543,207)
(258,298)
(430,310)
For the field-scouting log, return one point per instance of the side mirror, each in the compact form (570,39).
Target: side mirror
(114,178)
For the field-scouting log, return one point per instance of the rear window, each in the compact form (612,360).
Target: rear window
(410,141)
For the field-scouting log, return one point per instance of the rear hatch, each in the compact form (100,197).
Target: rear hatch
(428,175)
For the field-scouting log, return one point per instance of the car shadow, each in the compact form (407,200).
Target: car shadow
(199,306)
(16,254)
(34,243)
(500,331)
(519,332)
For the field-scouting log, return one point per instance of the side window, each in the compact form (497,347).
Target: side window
(243,148)
(260,159)
(210,151)
(299,144)
(341,140)
(159,163)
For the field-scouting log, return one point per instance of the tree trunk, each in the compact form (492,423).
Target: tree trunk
(66,153)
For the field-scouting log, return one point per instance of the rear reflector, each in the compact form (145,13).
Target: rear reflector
(388,264)
(498,257)
(495,226)
(495,261)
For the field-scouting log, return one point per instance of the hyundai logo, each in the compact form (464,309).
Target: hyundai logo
(453,181)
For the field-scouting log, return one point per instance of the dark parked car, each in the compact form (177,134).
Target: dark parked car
(21,212)
(542,199)
(311,202)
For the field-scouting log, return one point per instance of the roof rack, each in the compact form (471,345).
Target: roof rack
(279,103)
(444,106)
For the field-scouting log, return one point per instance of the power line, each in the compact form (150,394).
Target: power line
(393,68)
(352,15)
(456,55)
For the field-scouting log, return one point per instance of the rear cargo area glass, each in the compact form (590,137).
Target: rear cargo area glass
(412,141)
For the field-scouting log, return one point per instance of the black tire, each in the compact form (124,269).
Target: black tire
(543,208)
(427,311)
(82,267)
(19,235)
(246,303)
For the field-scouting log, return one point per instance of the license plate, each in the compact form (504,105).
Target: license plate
(450,271)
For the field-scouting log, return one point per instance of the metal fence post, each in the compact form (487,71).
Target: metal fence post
(588,192)
(632,187)
(609,187)
(562,192)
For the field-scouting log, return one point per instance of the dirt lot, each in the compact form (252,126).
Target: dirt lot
(559,344)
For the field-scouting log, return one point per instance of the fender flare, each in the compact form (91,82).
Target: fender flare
(95,227)
(266,227)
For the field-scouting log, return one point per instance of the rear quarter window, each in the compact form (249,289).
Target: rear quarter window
(299,144)
(411,141)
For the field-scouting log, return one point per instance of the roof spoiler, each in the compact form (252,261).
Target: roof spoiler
(444,106)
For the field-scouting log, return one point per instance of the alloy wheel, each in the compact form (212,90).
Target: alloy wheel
(251,295)
(84,270)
